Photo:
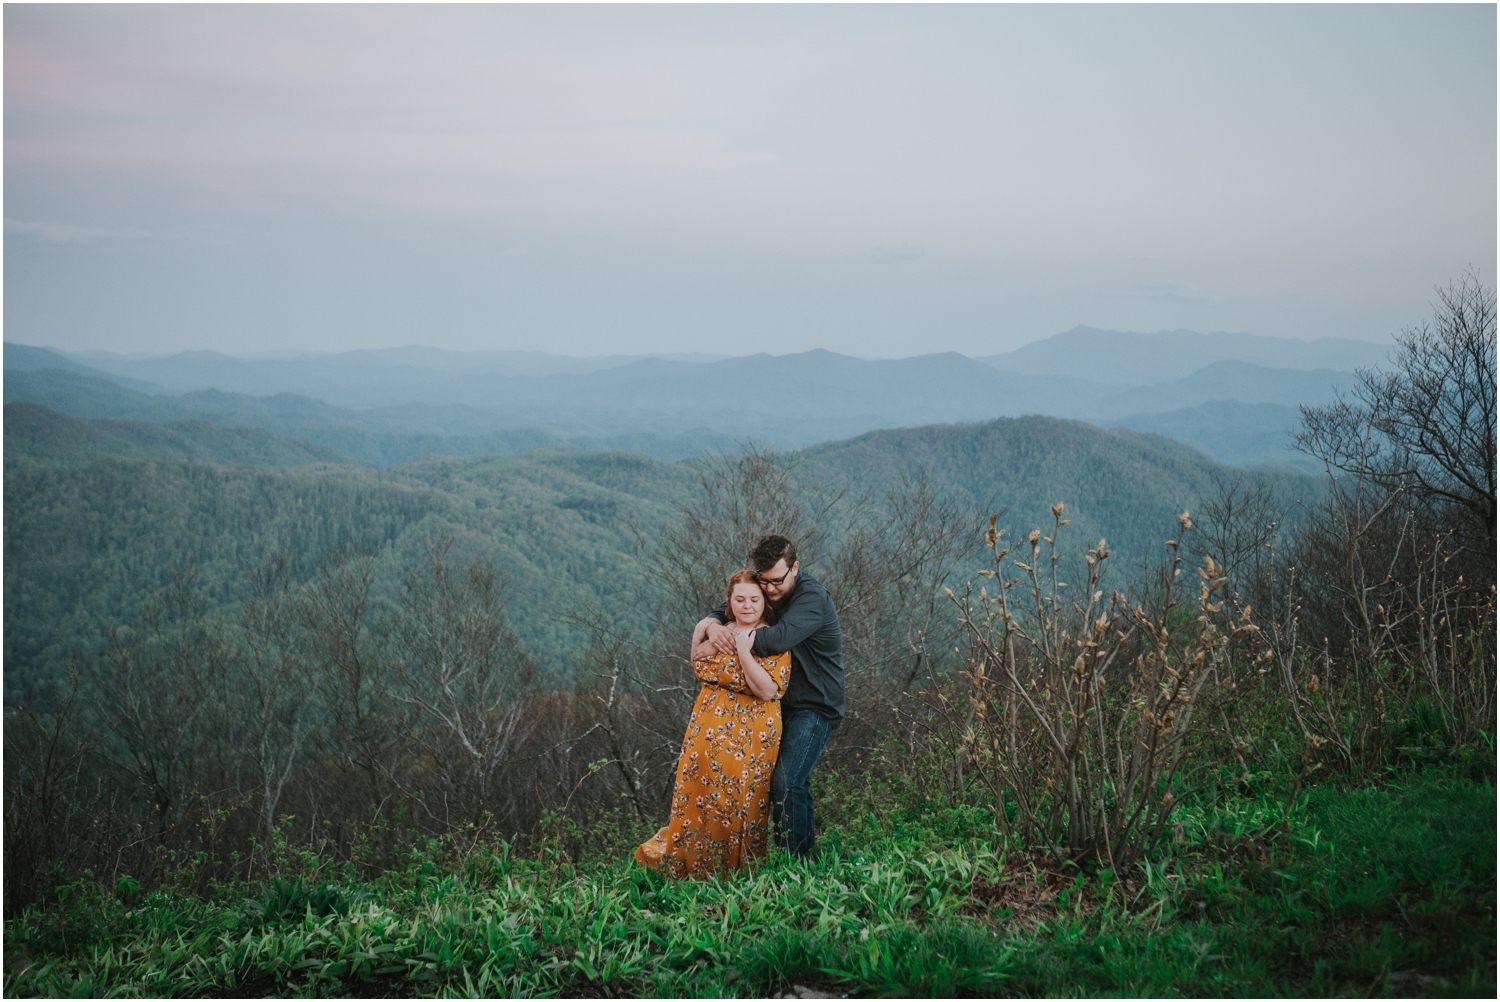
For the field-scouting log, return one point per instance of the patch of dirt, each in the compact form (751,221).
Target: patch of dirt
(1246,848)
(1027,890)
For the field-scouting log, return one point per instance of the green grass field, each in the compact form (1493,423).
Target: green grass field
(1384,891)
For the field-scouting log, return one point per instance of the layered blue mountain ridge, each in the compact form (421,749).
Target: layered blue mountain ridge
(1232,396)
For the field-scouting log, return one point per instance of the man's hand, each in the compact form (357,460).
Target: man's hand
(722,638)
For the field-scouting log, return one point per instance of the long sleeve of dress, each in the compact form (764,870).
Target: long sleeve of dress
(724,671)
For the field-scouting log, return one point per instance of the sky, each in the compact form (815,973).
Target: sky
(881,181)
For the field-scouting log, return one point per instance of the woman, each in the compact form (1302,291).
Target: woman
(721,803)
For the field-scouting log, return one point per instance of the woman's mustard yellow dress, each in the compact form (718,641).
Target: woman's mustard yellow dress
(722,798)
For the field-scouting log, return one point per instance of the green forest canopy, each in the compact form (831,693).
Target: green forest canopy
(98,512)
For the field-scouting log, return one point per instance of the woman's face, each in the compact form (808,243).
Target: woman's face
(747,603)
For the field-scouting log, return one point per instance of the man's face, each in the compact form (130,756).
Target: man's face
(777,581)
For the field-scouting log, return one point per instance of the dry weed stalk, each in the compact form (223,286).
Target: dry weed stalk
(1079,712)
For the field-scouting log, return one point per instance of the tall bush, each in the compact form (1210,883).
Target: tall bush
(1080,711)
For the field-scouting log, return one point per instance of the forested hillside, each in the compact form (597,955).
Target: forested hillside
(37,435)
(84,546)
(92,528)
(1120,487)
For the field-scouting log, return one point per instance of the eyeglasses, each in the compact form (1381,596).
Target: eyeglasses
(773,582)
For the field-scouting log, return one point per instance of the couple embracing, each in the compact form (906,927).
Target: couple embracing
(771,663)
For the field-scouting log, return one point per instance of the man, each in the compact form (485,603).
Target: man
(807,625)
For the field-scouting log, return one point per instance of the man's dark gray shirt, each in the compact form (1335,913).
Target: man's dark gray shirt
(808,626)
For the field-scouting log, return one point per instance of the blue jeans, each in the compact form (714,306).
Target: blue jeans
(803,734)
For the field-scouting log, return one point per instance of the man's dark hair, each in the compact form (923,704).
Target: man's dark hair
(771,549)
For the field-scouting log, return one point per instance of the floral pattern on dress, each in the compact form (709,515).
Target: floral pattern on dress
(722,798)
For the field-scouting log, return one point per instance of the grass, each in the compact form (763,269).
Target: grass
(1377,891)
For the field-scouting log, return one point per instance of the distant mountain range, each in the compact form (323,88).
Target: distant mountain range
(379,437)
(365,374)
(384,407)
(1118,358)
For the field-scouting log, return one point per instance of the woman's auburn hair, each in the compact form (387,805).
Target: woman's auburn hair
(739,578)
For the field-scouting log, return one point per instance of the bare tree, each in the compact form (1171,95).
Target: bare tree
(163,689)
(1237,523)
(1428,424)
(271,687)
(365,725)
(1390,576)
(886,569)
(464,669)
(739,500)
(52,811)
